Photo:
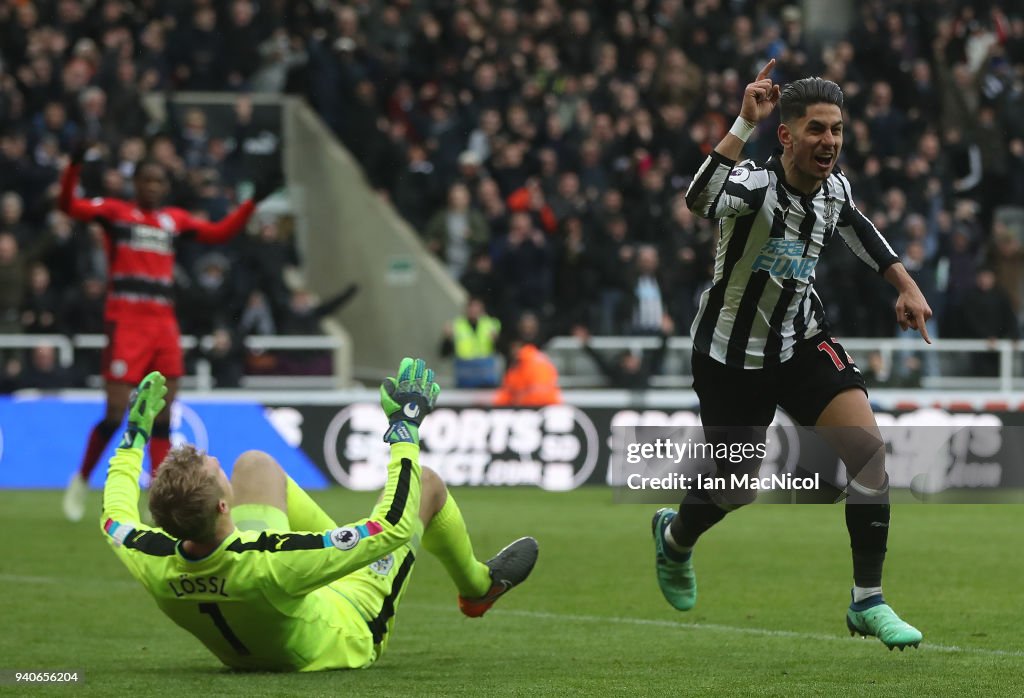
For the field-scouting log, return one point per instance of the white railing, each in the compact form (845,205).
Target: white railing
(577,369)
(202,380)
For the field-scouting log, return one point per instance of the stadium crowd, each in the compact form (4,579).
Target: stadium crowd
(539,147)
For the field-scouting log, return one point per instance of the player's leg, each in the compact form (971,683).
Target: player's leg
(266,498)
(446,537)
(164,339)
(376,590)
(827,390)
(160,440)
(849,426)
(736,406)
(117,394)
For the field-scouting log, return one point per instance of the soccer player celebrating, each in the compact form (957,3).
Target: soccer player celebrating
(258,573)
(760,339)
(142,332)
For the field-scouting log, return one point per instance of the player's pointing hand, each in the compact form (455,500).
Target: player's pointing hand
(760,96)
(913,312)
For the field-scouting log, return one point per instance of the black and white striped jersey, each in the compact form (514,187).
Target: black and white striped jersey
(762,301)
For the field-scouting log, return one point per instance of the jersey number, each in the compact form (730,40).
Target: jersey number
(827,348)
(213,610)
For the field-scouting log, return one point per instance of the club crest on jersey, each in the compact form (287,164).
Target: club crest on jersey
(831,216)
(784,259)
(383,565)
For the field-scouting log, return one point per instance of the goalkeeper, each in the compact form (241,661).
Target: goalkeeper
(261,575)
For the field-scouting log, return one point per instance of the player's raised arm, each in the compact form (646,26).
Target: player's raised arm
(704,196)
(121,491)
(232,224)
(319,559)
(67,202)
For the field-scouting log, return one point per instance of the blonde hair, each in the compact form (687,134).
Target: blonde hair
(183,497)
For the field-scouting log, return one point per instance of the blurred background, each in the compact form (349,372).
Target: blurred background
(497,186)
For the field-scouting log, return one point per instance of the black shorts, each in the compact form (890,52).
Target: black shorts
(819,370)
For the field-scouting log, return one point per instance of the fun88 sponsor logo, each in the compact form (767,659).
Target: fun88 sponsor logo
(784,259)
(555,448)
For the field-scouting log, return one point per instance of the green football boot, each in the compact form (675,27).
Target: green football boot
(677,580)
(882,622)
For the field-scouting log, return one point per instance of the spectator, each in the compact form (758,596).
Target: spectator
(472,339)
(12,284)
(630,370)
(302,317)
(43,372)
(456,230)
(584,112)
(479,279)
(82,313)
(227,358)
(11,218)
(523,269)
(531,380)
(40,308)
(987,313)
(266,258)
(649,308)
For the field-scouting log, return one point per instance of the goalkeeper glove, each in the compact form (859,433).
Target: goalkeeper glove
(407,400)
(146,403)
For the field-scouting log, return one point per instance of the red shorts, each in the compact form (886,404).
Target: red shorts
(137,346)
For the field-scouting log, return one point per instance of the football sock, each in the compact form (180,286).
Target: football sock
(447,538)
(697,514)
(159,445)
(303,513)
(861,594)
(100,436)
(867,520)
(674,551)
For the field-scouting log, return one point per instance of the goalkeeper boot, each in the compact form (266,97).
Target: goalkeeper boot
(509,568)
(876,619)
(75,496)
(676,578)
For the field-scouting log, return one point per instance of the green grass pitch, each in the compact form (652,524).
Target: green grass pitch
(774,582)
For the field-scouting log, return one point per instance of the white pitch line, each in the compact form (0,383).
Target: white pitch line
(717,627)
(620,620)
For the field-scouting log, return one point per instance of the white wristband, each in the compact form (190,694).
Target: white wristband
(741,128)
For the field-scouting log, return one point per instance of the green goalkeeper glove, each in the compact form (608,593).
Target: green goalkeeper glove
(407,400)
(146,403)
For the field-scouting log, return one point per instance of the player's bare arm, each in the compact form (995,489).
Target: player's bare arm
(912,310)
(759,100)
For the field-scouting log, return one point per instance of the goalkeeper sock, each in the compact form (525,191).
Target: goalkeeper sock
(867,520)
(159,445)
(99,437)
(303,513)
(447,538)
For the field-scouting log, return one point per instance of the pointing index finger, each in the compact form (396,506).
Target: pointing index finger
(766,71)
(923,329)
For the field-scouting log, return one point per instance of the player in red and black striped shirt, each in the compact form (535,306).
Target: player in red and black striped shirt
(142,329)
